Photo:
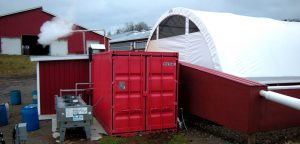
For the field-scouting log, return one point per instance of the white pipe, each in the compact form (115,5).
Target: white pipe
(77,84)
(281,99)
(88,30)
(283,87)
(72,90)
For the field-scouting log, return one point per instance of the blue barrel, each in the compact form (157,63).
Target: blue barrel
(34,97)
(3,115)
(15,97)
(30,117)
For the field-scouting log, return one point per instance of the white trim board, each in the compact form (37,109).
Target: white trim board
(53,58)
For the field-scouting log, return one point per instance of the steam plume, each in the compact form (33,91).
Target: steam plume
(54,29)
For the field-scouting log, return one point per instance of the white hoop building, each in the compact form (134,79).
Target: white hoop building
(259,49)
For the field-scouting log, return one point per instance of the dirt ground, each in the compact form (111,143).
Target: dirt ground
(198,132)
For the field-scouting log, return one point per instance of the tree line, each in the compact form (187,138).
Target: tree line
(131,26)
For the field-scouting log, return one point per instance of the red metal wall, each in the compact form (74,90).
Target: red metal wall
(135,91)
(232,102)
(56,75)
(24,23)
(276,116)
(29,23)
(162,92)
(75,41)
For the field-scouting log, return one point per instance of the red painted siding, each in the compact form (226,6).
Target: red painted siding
(232,102)
(135,91)
(276,116)
(29,23)
(76,41)
(24,23)
(56,75)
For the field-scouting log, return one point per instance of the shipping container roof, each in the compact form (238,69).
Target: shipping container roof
(249,47)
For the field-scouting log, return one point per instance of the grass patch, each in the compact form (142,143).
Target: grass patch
(158,138)
(113,140)
(16,65)
(179,139)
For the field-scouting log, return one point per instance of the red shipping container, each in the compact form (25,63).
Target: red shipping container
(135,92)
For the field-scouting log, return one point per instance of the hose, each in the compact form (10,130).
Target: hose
(181,110)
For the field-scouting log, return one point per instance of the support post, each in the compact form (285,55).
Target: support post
(251,138)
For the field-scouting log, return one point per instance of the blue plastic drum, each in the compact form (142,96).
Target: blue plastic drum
(34,97)
(30,117)
(3,115)
(15,97)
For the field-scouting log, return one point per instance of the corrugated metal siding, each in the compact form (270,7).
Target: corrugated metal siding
(221,98)
(75,43)
(121,91)
(128,98)
(121,46)
(56,75)
(276,116)
(102,99)
(233,102)
(26,23)
(162,92)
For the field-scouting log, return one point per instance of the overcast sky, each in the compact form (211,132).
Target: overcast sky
(112,14)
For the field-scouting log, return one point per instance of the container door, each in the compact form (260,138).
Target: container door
(128,94)
(161,101)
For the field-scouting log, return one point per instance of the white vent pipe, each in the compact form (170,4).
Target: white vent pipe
(283,87)
(281,99)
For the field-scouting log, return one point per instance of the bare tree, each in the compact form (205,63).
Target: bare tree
(292,20)
(130,26)
(141,26)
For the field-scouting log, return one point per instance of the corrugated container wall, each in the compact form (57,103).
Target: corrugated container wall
(135,91)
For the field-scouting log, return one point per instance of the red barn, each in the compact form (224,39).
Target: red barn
(19,34)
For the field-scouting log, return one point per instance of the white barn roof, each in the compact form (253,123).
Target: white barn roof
(249,47)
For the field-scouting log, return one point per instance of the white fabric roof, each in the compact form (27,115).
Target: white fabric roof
(239,45)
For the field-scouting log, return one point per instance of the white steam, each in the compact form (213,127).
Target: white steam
(54,29)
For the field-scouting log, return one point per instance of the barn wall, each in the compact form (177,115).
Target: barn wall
(76,42)
(24,23)
(29,23)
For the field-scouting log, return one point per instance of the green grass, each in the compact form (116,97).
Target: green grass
(158,138)
(16,65)
(113,140)
(179,139)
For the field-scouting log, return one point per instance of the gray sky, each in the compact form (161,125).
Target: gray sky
(112,14)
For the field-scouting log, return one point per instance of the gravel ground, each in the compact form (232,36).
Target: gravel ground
(41,136)
(199,130)
(204,127)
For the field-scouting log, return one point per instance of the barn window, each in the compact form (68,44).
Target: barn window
(172,26)
(192,27)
